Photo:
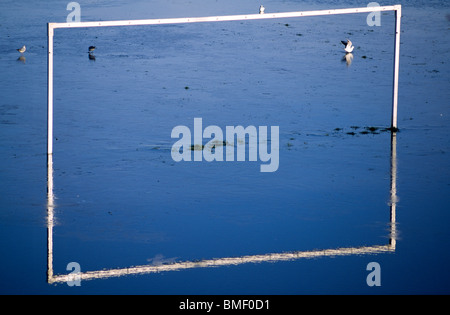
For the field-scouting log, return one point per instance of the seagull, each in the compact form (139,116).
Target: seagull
(261,9)
(348,45)
(92,48)
(22,50)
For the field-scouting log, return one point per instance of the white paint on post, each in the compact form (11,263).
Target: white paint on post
(398,17)
(50,91)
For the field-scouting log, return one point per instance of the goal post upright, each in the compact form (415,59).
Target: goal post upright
(52,26)
(398,18)
(50,90)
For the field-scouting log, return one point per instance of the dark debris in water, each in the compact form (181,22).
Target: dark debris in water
(350,131)
(371,129)
(365,130)
(197,147)
(200,147)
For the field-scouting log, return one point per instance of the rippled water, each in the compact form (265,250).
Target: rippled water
(346,193)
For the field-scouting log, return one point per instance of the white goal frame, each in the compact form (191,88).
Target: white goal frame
(226,261)
(52,26)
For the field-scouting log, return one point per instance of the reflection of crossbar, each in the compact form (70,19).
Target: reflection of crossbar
(222,262)
(52,26)
(274,257)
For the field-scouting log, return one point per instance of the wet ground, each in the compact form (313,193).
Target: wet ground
(346,192)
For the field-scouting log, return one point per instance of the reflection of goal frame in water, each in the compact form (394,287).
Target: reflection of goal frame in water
(226,261)
(52,26)
(390,247)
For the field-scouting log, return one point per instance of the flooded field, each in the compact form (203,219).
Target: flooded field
(113,201)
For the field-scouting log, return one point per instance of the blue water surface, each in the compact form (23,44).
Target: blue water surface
(346,192)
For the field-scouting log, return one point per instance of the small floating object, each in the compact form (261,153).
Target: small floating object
(391,129)
(372,129)
(197,147)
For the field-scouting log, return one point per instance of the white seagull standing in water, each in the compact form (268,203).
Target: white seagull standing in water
(348,46)
(261,9)
(22,49)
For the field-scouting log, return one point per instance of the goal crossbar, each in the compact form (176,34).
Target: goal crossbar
(52,26)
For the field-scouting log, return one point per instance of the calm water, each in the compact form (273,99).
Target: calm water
(344,194)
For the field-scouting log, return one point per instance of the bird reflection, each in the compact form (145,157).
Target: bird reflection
(91,52)
(348,58)
(22,59)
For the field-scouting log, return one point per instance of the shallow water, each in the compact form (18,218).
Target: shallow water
(118,199)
